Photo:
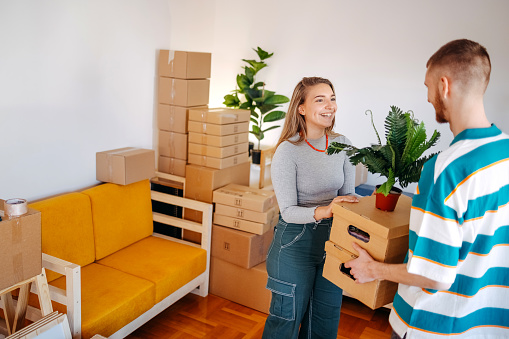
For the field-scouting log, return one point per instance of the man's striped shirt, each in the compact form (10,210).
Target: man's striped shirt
(459,234)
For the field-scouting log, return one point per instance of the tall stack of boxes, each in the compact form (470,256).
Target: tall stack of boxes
(244,220)
(183,84)
(384,235)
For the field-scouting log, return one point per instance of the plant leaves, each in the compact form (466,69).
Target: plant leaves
(276,100)
(271,127)
(257,65)
(274,116)
(231,100)
(243,81)
(262,54)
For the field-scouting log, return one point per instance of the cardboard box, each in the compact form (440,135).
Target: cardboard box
(124,166)
(20,247)
(219,116)
(218,141)
(240,248)
(244,225)
(218,152)
(250,198)
(202,181)
(241,285)
(383,234)
(242,213)
(215,129)
(182,92)
(374,294)
(184,65)
(172,166)
(172,118)
(173,145)
(218,163)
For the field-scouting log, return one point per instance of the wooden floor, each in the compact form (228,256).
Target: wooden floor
(215,317)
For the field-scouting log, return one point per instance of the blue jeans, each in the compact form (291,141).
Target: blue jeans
(304,304)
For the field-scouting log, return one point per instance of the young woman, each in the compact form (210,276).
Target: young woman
(307,182)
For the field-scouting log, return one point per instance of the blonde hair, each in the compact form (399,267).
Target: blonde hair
(295,122)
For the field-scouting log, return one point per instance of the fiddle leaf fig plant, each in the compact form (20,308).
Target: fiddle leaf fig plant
(252,95)
(400,159)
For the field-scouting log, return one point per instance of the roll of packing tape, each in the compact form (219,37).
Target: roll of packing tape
(15,207)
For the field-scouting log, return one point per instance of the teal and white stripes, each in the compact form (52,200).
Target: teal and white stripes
(459,234)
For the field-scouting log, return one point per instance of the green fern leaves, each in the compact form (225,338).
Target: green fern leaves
(400,159)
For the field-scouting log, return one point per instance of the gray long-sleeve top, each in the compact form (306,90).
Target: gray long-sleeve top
(304,179)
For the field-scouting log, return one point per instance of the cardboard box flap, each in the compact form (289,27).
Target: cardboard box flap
(385,224)
(244,196)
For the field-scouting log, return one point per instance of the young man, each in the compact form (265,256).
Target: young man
(456,277)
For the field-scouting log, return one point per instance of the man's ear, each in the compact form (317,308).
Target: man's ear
(444,87)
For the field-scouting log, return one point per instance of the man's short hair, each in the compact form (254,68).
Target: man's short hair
(465,61)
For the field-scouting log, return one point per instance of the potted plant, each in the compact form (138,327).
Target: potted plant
(252,95)
(399,160)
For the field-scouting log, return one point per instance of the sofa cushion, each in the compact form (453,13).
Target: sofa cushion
(168,264)
(110,299)
(67,230)
(121,215)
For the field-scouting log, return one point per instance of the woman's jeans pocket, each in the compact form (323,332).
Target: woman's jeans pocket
(289,234)
(283,299)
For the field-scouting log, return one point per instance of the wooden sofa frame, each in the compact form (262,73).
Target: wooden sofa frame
(71,296)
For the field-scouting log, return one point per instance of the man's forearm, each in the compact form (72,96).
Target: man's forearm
(398,273)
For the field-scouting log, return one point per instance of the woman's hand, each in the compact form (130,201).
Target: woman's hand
(324,212)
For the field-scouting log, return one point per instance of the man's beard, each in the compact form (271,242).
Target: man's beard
(439,109)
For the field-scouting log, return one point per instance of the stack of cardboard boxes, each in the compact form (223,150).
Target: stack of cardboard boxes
(183,84)
(384,235)
(244,220)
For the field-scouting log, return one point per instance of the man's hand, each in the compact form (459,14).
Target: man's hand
(362,267)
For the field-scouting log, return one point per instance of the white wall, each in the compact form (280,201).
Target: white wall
(77,77)
(374,52)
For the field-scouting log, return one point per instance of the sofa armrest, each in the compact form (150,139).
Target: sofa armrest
(71,296)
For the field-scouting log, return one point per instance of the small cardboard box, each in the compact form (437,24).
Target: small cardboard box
(215,129)
(241,285)
(374,294)
(172,166)
(218,163)
(250,198)
(172,118)
(173,145)
(218,152)
(124,166)
(20,247)
(242,213)
(182,92)
(383,234)
(184,65)
(218,141)
(244,225)
(219,116)
(240,248)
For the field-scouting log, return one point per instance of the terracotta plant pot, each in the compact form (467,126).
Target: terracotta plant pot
(387,203)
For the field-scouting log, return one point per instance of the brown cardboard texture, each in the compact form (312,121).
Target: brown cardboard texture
(240,285)
(218,152)
(219,116)
(374,294)
(244,225)
(242,213)
(202,181)
(173,145)
(20,247)
(185,93)
(218,141)
(124,166)
(219,130)
(184,65)
(172,118)
(250,198)
(240,248)
(203,160)
(383,234)
(172,166)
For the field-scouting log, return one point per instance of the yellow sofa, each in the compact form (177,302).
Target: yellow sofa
(112,273)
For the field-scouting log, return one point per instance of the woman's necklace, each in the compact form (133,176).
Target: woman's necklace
(326,144)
